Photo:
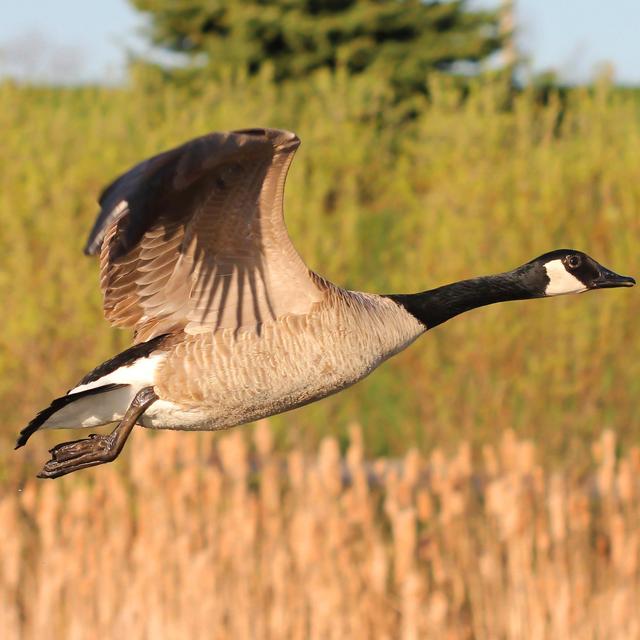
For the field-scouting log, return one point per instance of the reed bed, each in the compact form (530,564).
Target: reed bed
(201,537)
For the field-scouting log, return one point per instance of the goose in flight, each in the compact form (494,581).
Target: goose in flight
(229,324)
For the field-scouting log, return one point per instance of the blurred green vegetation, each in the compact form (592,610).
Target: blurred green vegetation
(468,187)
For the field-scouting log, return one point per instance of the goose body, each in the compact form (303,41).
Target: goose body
(219,380)
(230,325)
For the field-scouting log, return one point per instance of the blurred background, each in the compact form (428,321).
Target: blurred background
(482,484)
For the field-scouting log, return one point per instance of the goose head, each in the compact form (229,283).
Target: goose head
(558,272)
(565,271)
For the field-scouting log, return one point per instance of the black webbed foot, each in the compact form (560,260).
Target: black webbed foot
(79,454)
(97,449)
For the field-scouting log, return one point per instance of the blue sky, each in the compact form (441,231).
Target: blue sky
(76,40)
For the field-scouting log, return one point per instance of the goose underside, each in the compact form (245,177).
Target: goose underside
(164,414)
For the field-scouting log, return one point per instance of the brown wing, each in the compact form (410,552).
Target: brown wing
(195,238)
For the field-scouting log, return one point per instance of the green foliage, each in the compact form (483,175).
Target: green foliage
(398,40)
(466,188)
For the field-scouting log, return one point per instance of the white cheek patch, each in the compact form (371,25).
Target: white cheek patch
(561,281)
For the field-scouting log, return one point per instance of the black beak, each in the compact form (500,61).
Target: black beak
(608,280)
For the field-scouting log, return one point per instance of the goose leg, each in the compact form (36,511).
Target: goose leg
(97,449)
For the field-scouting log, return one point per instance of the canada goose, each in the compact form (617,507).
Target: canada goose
(230,325)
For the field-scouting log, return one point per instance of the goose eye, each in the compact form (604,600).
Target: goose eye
(574,261)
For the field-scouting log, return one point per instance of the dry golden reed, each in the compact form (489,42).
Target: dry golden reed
(226,538)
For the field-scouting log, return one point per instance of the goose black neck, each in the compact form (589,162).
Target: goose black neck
(435,306)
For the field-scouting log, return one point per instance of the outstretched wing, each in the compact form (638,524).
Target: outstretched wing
(194,238)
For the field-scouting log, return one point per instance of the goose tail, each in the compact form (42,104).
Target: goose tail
(73,410)
(104,394)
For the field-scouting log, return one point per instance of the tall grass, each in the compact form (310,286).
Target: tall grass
(468,188)
(238,541)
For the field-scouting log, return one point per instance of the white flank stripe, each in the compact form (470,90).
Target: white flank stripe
(139,374)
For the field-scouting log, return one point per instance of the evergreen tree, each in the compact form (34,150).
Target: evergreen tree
(401,39)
